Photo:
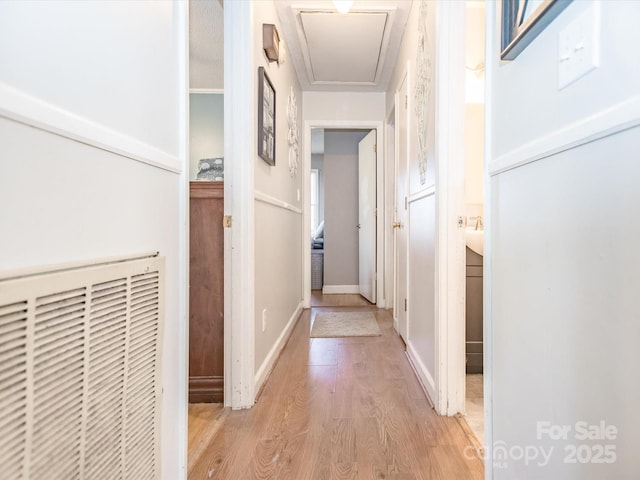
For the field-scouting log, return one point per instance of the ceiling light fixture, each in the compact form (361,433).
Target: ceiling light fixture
(343,6)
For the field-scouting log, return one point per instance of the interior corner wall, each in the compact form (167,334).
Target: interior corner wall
(564,316)
(117,67)
(341,207)
(421,198)
(278,213)
(206,128)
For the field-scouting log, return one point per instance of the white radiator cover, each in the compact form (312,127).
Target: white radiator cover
(80,372)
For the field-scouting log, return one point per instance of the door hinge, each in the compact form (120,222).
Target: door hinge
(375,148)
(405,304)
(405,203)
(406,101)
(226,221)
(375,212)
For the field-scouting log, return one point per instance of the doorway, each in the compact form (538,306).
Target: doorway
(342,211)
(474,207)
(332,219)
(206,365)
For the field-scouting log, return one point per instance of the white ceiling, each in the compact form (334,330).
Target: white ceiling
(343,52)
(206,36)
(330,51)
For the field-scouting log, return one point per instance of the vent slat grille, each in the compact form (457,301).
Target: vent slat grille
(106,378)
(140,392)
(79,373)
(13,388)
(58,383)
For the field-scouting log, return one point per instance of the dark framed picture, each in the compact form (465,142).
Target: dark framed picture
(266,118)
(523,20)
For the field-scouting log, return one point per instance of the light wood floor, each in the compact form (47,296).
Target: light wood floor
(339,408)
(337,300)
(204,421)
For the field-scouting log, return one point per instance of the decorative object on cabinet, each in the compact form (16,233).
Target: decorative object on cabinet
(211,169)
(292,137)
(522,22)
(266,118)
(206,292)
(271,41)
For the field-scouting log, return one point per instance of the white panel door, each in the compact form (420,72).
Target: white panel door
(400,260)
(367,216)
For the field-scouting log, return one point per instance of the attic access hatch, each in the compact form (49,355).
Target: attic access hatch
(343,48)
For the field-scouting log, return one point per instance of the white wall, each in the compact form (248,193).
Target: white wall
(113,73)
(341,207)
(278,214)
(317,163)
(206,128)
(474,157)
(563,323)
(344,106)
(421,218)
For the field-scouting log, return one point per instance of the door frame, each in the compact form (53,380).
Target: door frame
(239,251)
(391,156)
(397,108)
(306,209)
(450,240)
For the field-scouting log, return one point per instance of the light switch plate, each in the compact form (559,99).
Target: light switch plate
(579,46)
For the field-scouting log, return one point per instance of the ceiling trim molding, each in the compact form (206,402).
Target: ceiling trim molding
(293,32)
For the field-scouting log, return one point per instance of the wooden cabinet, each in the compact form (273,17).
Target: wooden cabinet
(474,343)
(206,292)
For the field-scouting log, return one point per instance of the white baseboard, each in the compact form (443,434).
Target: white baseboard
(335,289)
(265,369)
(424,377)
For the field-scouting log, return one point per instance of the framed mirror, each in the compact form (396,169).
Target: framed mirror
(523,20)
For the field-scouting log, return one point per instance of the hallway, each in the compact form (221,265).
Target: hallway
(338,408)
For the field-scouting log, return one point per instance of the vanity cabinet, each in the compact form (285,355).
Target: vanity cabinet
(474,312)
(206,292)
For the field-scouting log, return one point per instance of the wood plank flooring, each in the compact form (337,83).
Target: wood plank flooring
(339,408)
(204,421)
(338,300)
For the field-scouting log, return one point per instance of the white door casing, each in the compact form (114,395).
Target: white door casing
(400,259)
(367,216)
(378,127)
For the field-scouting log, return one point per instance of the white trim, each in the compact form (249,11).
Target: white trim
(491,64)
(61,267)
(239,265)
(306,216)
(337,289)
(211,91)
(183,241)
(306,223)
(269,200)
(24,108)
(424,193)
(269,362)
(427,382)
(450,241)
(609,121)
(388,207)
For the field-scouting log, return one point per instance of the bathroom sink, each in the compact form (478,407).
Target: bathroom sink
(475,240)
